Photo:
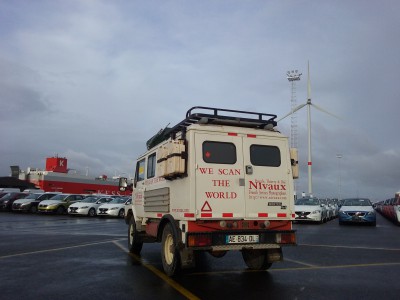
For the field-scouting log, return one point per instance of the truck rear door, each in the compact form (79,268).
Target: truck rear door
(268,190)
(219,176)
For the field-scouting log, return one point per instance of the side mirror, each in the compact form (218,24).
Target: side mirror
(123,184)
(294,161)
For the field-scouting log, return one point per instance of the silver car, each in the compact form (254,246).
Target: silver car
(88,206)
(114,208)
(310,209)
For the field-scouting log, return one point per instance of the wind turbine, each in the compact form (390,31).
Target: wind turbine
(308,104)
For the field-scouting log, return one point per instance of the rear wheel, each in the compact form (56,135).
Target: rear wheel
(169,253)
(256,259)
(121,213)
(33,209)
(134,243)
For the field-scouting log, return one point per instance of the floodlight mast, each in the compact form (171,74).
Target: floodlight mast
(293,76)
(308,104)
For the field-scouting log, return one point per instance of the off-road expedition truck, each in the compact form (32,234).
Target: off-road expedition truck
(219,180)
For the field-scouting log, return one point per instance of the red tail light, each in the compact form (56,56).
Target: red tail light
(286,238)
(200,240)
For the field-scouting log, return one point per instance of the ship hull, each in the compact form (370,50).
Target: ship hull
(75,184)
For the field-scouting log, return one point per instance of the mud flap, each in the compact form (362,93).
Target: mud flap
(187,258)
(275,255)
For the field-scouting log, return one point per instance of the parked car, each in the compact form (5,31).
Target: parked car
(31,202)
(88,206)
(7,201)
(357,210)
(59,203)
(114,208)
(310,209)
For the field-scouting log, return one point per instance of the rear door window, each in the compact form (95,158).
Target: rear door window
(219,152)
(267,156)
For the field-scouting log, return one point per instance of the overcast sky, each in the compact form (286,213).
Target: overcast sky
(94,80)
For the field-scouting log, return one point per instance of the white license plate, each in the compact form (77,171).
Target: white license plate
(242,239)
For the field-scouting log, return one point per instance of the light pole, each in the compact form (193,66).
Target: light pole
(339,156)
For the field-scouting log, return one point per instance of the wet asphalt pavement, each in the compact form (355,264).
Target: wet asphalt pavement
(63,257)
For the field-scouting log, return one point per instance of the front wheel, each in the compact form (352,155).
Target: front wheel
(121,213)
(92,212)
(169,253)
(33,209)
(256,259)
(134,243)
(60,210)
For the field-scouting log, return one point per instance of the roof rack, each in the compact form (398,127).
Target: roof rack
(215,116)
(218,116)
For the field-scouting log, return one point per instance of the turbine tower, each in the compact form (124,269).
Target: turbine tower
(308,104)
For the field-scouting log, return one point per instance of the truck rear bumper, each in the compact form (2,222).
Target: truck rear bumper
(239,240)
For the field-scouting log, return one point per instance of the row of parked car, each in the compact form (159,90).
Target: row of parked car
(60,203)
(352,210)
(390,208)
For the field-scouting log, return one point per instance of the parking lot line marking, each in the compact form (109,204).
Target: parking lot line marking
(349,247)
(160,274)
(338,266)
(58,249)
(300,263)
(296,269)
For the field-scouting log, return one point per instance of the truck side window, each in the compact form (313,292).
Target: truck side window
(267,156)
(219,153)
(140,170)
(151,165)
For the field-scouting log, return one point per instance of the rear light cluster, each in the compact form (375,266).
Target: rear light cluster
(285,238)
(200,240)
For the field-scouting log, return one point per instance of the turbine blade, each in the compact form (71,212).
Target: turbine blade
(292,112)
(308,82)
(325,111)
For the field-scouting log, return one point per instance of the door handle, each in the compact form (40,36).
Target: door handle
(249,170)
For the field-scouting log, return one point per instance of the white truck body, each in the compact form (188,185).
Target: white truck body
(223,185)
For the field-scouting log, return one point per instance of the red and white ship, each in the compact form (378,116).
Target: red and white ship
(56,178)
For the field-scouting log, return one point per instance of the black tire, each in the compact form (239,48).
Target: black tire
(60,210)
(134,243)
(169,253)
(121,213)
(92,212)
(33,209)
(256,259)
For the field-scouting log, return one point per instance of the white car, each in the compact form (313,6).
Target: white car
(114,208)
(88,206)
(310,209)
